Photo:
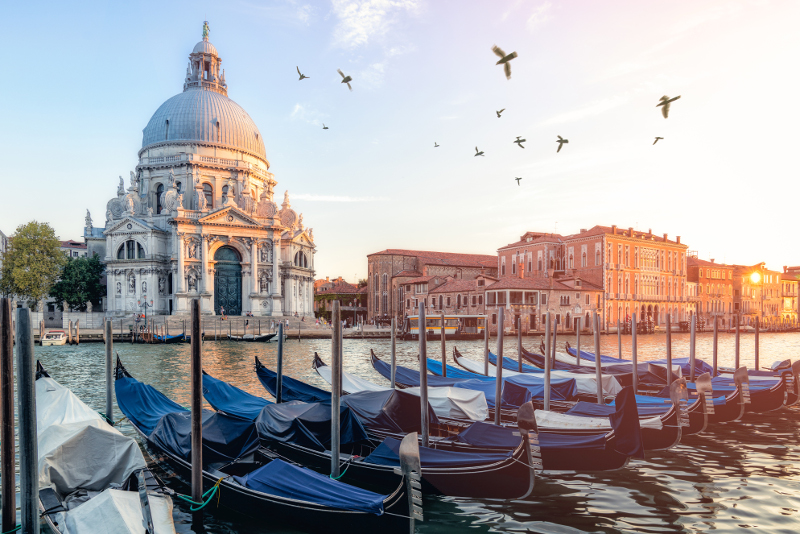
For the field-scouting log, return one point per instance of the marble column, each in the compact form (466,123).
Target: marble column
(254,275)
(204,272)
(180,277)
(276,277)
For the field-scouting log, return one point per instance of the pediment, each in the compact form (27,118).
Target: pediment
(229,216)
(130,225)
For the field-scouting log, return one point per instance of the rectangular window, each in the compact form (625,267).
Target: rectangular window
(531,298)
(494,319)
(448,302)
(544,299)
(514,268)
(491,298)
(516,297)
(501,298)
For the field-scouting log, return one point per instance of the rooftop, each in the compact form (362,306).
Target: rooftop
(442,258)
(456,285)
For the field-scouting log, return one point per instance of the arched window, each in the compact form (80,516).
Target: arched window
(208,192)
(458,301)
(178,185)
(166,131)
(218,137)
(159,191)
(130,250)
(300,260)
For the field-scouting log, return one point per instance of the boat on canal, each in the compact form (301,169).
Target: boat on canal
(54,338)
(91,477)
(253,482)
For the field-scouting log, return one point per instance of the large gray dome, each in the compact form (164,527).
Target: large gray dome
(194,115)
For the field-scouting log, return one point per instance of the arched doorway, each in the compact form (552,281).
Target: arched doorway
(228,281)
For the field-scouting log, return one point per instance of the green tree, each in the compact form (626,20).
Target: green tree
(362,283)
(32,263)
(79,283)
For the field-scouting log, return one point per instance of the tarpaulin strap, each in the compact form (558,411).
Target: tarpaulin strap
(347,466)
(110,421)
(197,506)
(13,529)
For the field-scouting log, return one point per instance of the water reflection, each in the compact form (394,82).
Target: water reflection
(734,475)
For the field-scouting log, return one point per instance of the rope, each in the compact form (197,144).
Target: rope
(197,506)
(13,529)
(347,466)
(110,421)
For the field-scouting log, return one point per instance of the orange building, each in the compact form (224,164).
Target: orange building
(757,294)
(714,289)
(639,272)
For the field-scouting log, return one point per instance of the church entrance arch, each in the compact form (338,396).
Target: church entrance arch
(228,281)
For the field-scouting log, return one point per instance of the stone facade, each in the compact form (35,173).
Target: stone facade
(198,219)
(789,292)
(757,294)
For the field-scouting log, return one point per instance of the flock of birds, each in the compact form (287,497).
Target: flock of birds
(505,59)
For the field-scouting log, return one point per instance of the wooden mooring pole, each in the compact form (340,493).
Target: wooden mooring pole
(336,387)
(498,383)
(444,350)
(28,439)
(423,376)
(279,381)
(394,349)
(8,490)
(634,354)
(196,403)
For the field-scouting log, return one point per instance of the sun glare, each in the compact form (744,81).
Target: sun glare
(755,277)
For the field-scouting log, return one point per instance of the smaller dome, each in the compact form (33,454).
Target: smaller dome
(205,47)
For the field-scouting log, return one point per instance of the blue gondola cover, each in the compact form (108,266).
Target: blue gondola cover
(387,453)
(391,410)
(144,405)
(625,422)
(231,400)
(225,438)
(307,425)
(286,480)
(293,389)
(480,434)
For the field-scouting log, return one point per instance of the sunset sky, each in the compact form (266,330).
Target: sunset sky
(83,80)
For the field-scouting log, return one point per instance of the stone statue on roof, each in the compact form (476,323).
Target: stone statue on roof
(205,29)
(88,221)
(121,188)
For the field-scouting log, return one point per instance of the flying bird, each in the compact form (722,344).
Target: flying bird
(664,102)
(499,112)
(302,76)
(561,142)
(435,144)
(478,152)
(518,179)
(324,127)
(657,138)
(345,79)
(504,60)
(520,141)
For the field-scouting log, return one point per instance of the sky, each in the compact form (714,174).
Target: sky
(83,80)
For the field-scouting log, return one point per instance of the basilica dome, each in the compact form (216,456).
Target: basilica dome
(203,113)
(207,117)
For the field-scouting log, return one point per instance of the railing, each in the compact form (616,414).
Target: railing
(207,159)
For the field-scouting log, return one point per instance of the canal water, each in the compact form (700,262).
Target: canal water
(734,476)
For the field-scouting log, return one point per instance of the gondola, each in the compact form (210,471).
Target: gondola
(700,366)
(252,482)
(91,477)
(298,431)
(583,452)
(253,338)
(785,368)
(179,338)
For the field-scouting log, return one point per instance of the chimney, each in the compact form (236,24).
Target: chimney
(678,239)
(665,237)
(614,229)
(649,232)
(630,231)
(712,260)
(583,230)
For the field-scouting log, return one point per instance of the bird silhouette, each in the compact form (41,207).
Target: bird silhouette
(435,144)
(478,152)
(504,60)
(324,127)
(561,142)
(520,141)
(664,102)
(518,179)
(499,112)
(345,79)
(657,138)
(302,76)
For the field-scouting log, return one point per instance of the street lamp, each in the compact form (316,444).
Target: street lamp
(145,305)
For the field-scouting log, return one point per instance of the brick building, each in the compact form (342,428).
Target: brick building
(446,295)
(714,289)
(638,272)
(389,271)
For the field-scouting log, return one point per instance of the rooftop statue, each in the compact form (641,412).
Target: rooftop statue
(205,30)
